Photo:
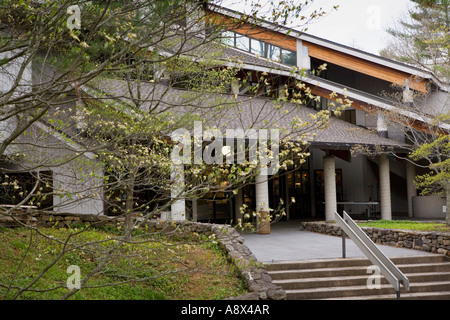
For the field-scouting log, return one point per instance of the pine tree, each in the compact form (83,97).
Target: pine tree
(422,39)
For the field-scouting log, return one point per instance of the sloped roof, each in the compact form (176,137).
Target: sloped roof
(230,56)
(246,112)
(413,70)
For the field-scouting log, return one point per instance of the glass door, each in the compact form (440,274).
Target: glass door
(299,191)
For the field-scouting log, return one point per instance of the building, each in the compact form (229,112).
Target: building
(333,177)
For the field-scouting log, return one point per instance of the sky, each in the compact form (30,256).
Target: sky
(356,23)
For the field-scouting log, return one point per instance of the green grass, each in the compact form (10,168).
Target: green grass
(406,225)
(156,268)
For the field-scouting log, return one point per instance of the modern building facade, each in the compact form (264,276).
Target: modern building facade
(335,177)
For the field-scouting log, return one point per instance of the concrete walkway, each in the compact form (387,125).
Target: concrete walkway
(287,242)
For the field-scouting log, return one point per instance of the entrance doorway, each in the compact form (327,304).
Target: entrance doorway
(216,207)
(293,188)
(298,185)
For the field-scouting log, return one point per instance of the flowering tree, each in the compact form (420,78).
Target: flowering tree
(94,90)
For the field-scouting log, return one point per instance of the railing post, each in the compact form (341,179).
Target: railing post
(343,244)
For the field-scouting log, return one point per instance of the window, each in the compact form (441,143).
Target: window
(273,52)
(242,42)
(15,187)
(228,38)
(288,57)
(349,116)
(258,47)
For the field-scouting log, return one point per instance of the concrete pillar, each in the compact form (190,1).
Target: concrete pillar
(408,96)
(312,186)
(382,126)
(262,203)
(178,208)
(385,188)
(303,58)
(262,193)
(329,176)
(410,186)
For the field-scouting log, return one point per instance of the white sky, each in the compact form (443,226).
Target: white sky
(357,23)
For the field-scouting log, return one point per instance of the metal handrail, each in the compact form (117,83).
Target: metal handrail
(375,255)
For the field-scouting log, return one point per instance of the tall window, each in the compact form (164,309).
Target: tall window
(228,38)
(288,57)
(258,47)
(273,52)
(242,42)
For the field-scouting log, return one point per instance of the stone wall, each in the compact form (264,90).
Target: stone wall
(435,242)
(258,280)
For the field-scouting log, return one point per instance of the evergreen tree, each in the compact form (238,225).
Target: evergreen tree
(422,38)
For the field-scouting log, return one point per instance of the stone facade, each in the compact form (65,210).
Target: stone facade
(259,282)
(435,242)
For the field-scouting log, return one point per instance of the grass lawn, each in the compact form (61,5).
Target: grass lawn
(406,225)
(152,268)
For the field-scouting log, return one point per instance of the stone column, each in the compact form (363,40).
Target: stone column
(178,208)
(262,202)
(329,176)
(410,186)
(385,188)
(382,126)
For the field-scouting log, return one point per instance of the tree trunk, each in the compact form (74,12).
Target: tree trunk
(128,224)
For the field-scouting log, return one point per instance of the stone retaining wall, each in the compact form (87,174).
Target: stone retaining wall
(258,280)
(435,242)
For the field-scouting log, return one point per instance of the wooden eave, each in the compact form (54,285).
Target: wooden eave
(319,51)
(256,32)
(366,67)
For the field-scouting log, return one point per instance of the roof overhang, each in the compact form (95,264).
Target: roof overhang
(395,65)
(360,100)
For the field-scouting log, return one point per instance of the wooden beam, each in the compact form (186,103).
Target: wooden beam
(366,67)
(253,31)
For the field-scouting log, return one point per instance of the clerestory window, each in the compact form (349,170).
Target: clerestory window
(259,48)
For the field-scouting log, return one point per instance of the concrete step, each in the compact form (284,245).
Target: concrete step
(355,271)
(429,277)
(348,262)
(440,295)
(291,284)
(354,292)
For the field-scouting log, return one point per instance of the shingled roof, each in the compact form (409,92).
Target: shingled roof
(226,111)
